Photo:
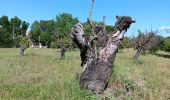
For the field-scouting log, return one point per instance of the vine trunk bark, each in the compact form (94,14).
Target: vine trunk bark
(23,48)
(97,70)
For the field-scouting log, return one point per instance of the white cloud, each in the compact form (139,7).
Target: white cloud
(164,27)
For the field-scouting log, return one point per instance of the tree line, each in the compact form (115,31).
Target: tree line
(56,32)
(11,30)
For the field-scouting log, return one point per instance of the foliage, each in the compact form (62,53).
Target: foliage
(11,30)
(125,43)
(53,44)
(87,27)
(109,28)
(5,36)
(15,26)
(42,32)
(35,32)
(64,22)
(24,40)
(24,28)
(49,31)
(165,44)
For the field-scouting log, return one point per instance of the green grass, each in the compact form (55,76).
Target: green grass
(40,74)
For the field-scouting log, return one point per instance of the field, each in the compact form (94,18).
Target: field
(42,75)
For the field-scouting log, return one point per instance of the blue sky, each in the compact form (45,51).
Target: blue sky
(149,14)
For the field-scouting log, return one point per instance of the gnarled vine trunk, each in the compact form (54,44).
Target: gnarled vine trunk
(97,70)
(23,48)
(138,52)
(146,43)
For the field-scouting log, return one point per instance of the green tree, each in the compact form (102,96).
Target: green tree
(125,43)
(109,28)
(24,28)
(15,26)
(64,22)
(42,32)
(35,32)
(10,31)
(87,27)
(50,31)
(167,44)
(4,22)
(45,38)
(47,28)
(5,38)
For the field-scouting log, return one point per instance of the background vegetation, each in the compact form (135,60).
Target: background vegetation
(53,33)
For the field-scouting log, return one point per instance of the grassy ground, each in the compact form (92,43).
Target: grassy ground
(40,74)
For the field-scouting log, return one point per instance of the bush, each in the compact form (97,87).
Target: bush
(53,44)
(167,44)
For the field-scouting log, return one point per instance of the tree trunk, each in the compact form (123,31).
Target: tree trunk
(137,54)
(97,70)
(62,51)
(22,49)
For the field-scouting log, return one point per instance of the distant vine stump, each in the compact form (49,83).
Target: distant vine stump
(62,51)
(146,43)
(23,48)
(97,70)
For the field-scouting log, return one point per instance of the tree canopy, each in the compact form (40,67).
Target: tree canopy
(53,32)
(11,30)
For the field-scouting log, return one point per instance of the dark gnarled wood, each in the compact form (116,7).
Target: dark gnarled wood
(146,43)
(96,72)
(23,48)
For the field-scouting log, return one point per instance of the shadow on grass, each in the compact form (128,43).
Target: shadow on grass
(138,62)
(163,55)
